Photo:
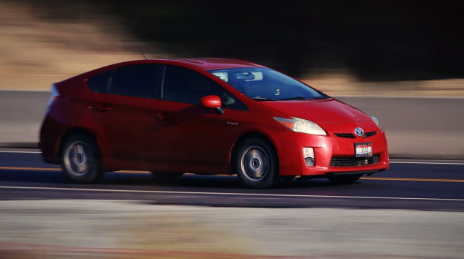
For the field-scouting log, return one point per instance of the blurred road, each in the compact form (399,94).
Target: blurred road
(408,185)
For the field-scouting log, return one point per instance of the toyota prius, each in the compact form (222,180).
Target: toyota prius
(206,116)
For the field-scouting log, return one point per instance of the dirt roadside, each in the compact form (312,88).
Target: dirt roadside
(114,229)
(37,52)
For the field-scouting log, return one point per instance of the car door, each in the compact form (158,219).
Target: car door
(123,109)
(191,133)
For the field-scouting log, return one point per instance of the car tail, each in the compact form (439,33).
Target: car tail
(54,94)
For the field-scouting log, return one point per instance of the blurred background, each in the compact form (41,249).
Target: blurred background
(401,61)
(365,53)
(394,48)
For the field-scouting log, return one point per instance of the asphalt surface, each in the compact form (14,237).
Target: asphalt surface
(408,185)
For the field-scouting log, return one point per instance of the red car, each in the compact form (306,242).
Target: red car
(206,116)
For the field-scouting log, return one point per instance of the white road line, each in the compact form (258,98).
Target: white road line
(230,193)
(426,163)
(20,152)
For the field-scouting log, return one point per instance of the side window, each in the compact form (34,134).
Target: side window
(188,86)
(100,83)
(135,80)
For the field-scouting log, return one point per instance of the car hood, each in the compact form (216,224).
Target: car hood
(319,111)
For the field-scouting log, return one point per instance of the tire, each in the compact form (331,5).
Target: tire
(256,163)
(167,175)
(343,179)
(80,159)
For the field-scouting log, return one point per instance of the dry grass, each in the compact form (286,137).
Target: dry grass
(36,52)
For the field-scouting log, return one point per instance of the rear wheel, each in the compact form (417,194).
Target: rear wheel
(256,163)
(344,178)
(80,159)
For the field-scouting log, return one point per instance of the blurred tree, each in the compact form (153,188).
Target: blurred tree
(375,40)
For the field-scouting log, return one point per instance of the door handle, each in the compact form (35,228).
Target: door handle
(102,108)
(161,116)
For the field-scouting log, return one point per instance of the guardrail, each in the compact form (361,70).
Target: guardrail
(427,128)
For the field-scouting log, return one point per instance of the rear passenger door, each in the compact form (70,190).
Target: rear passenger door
(123,108)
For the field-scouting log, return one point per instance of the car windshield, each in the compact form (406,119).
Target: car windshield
(264,84)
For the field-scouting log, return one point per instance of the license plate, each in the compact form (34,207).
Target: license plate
(363,149)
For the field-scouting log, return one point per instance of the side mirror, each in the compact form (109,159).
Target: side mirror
(212,101)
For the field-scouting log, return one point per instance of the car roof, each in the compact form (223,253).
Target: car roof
(203,63)
(216,63)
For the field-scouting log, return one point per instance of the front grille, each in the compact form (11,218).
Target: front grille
(345,135)
(349,135)
(354,161)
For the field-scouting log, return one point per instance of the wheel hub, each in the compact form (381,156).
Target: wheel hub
(255,163)
(76,158)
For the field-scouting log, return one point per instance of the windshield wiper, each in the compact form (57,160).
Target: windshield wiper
(304,98)
(262,99)
(322,97)
(294,98)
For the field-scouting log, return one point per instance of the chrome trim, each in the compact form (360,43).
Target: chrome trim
(359,131)
(162,82)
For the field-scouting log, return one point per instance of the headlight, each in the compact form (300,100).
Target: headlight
(375,120)
(300,125)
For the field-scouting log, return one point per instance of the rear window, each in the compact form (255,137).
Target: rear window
(134,80)
(100,83)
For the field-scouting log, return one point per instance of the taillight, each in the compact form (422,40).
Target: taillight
(54,94)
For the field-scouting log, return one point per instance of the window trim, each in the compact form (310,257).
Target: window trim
(163,75)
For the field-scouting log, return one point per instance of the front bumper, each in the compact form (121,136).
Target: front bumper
(291,161)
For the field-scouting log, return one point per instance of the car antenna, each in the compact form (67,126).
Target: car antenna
(141,52)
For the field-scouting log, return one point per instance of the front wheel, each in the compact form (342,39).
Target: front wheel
(80,159)
(341,179)
(256,163)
